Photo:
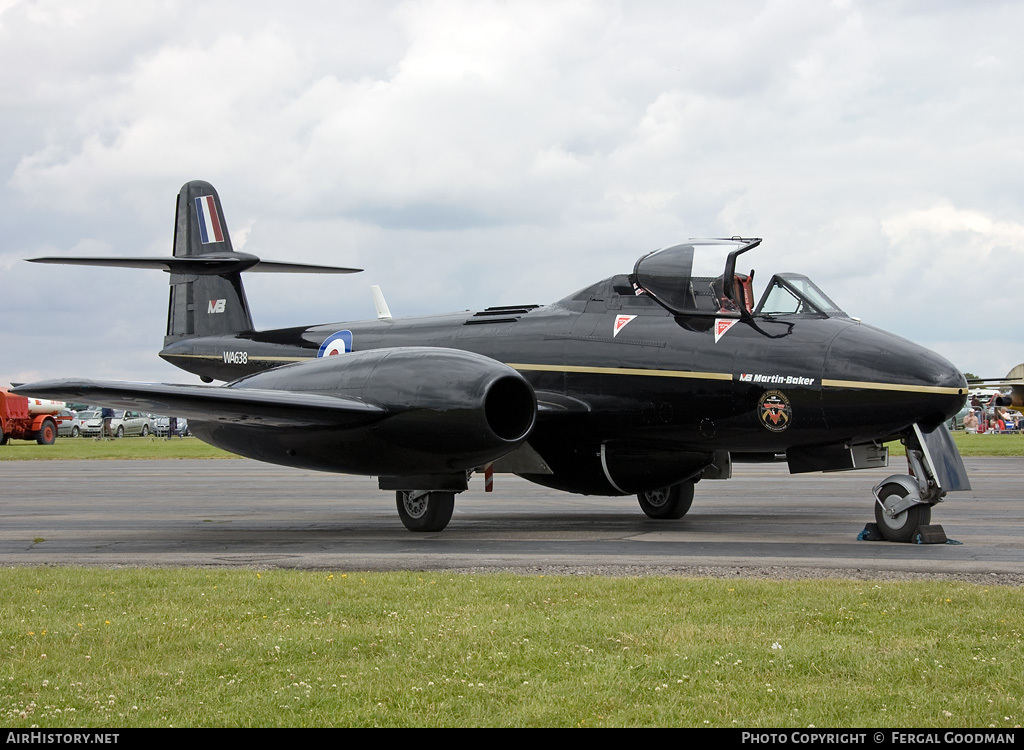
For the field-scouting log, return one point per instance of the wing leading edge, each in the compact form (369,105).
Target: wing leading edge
(215,403)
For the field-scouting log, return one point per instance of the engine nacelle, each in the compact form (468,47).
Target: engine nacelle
(1013,400)
(447,411)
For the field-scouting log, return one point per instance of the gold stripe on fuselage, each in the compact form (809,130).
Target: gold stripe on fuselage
(622,371)
(827,382)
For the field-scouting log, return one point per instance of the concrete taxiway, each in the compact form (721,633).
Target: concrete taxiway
(239,513)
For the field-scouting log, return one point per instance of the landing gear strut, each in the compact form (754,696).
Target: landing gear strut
(425,511)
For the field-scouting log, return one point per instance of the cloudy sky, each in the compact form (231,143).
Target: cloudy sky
(474,153)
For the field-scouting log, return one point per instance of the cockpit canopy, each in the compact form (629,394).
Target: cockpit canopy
(698,278)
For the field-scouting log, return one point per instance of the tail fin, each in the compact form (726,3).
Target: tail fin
(203,305)
(207,298)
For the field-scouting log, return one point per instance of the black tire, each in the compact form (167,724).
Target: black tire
(47,434)
(120,431)
(667,502)
(145,431)
(75,432)
(430,511)
(900,528)
(3,437)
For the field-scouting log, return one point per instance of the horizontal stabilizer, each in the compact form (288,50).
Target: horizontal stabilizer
(214,403)
(212,264)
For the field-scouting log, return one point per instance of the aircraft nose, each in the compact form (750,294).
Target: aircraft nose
(908,379)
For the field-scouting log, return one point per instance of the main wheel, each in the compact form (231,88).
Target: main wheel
(901,527)
(667,502)
(47,434)
(425,511)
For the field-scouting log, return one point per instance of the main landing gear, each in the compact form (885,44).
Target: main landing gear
(667,502)
(425,510)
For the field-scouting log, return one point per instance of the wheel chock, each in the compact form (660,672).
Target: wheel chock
(870,534)
(933,534)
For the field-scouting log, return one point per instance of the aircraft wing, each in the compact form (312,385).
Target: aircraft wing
(215,403)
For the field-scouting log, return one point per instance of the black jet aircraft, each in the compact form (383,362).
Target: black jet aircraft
(643,383)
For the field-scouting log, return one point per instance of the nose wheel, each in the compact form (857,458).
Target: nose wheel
(896,522)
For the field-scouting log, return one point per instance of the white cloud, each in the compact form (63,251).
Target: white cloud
(468,153)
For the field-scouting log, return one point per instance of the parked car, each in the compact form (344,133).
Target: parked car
(121,424)
(161,426)
(130,423)
(73,426)
(956,422)
(63,419)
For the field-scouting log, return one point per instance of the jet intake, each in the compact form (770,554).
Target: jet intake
(458,416)
(1014,400)
(510,408)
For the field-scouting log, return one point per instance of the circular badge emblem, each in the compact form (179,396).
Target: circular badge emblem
(774,410)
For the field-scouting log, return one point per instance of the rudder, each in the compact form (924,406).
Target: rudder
(203,305)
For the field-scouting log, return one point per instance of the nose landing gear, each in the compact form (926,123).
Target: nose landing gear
(903,502)
(897,514)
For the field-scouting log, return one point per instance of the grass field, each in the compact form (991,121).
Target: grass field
(124,448)
(187,647)
(980,445)
(283,648)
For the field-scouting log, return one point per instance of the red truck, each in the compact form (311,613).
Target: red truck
(28,418)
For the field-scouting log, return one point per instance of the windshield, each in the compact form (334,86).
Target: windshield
(795,294)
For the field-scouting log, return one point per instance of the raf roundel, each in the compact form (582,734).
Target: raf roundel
(336,343)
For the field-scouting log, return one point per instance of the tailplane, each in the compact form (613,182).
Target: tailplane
(207,298)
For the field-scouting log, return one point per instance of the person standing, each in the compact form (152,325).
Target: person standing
(971,423)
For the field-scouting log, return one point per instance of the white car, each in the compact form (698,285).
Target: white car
(73,427)
(121,424)
(162,425)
